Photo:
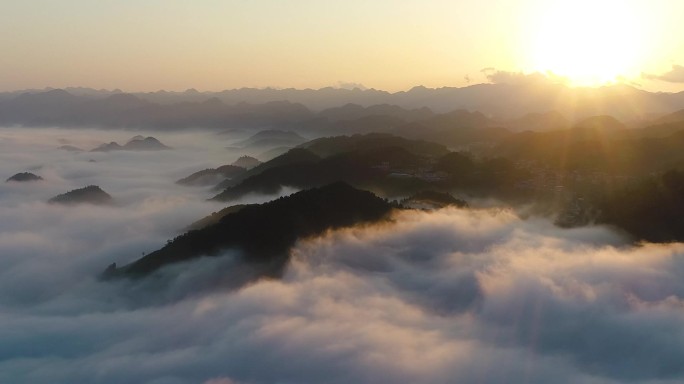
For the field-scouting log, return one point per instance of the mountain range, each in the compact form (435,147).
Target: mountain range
(137,143)
(536,105)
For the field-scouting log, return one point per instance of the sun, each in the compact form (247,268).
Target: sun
(588,42)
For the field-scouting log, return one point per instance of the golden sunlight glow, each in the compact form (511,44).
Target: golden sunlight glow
(589,42)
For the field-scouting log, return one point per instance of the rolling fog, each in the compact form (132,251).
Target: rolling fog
(465,296)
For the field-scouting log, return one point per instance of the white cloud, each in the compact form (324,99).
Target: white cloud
(676,75)
(448,296)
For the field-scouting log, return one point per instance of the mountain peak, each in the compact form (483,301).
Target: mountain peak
(23,177)
(91,194)
(265,232)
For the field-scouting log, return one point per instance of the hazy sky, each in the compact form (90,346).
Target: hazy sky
(387,44)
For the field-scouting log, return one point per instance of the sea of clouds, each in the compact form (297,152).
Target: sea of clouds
(449,296)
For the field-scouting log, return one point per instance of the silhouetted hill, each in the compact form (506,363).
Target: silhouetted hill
(246,162)
(350,112)
(650,210)
(264,233)
(329,146)
(353,159)
(146,144)
(293,156)
(538,122)
(432,200)
(294,109)
(675,117)
(137,143)
(654,131)
(91,194)
(215,217)
(362,169)
(366,124)
(23,177)
(211,176)
(106,147)
(385,164)
(136,137)
(388,171)
(542,145)
(600,125)
(60,108)
(38,108)
(613,150)
(117,110)
(455,129)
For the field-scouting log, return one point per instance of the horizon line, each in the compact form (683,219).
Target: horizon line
(354,89)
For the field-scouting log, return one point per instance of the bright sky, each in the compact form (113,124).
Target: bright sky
(145,45)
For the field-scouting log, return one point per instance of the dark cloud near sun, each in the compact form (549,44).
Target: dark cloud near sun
(675,75)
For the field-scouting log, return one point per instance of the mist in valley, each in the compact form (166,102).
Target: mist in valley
(448,295)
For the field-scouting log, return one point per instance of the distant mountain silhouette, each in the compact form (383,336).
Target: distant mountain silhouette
(98,109)
(23,177)
(302,167)
(137,143)
(264,233)
(293,156)
(106,147)
(332,110)
(329,146)
(146,144)
(365,124)
(91,194)
(675,117)
(601,124)
(385,164)
(211,176)
(246,162)
(70,148)
(38,108)
(654,131)
(456,128)
(540,122)
(600,144)
(351,112)
(136,138)
(364,161)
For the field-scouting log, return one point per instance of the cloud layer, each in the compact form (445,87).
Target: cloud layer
(448,296)
(676,75)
